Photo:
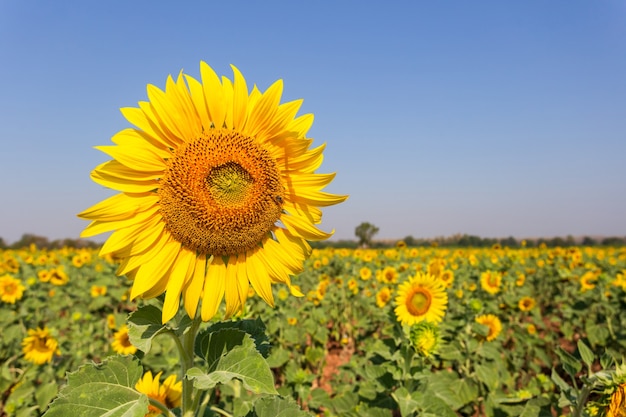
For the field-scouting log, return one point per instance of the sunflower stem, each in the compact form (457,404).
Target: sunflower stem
(158,404)
(186,346)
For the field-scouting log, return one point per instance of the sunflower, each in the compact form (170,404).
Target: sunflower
(526,303)
(121,342)
(11,289)
(493,323)
(425,338)
(490,281)
(39,346)
(169,393)
(617,406)
(389,275)
(98,290)
(58,276)
(383,296)
(218,191)
(365,273)
(422,298)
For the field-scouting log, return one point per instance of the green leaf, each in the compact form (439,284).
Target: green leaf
(144,325)
(585,353)
(278,357)
(102,390)
(277,407)
(241,362)
(488,375)
(212,345)
(571,365)
(255,328)
(45,393)
(406,402)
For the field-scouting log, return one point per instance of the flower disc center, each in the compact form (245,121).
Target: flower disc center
(221,194)
(419,303)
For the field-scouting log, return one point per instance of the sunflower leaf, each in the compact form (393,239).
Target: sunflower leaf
(254,328)
(242,362)
(104,389)
(277,407)
(144,325)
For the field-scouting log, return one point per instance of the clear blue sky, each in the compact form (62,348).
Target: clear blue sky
(491,118)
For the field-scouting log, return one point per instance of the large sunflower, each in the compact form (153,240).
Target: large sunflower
(218,192)
(422,298)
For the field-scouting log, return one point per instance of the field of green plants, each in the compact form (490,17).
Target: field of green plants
(526,332)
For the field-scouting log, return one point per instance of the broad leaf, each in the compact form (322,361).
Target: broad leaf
(277,407)
(102,390)
(241,362)
(254,328)
(144,325)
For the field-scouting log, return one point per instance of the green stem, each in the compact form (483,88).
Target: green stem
(220,411)
(186,345)
(582,399)
(158,404)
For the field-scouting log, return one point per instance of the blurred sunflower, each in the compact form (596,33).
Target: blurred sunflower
(425,338)
(58,276)
(490,281)
(526,303)
(39,346)
(365,273)
(389,275)
(218,192)
(11,289)
(121,342)
(383,296)
(98,290)
(493,323)
(169,393)
(421,298)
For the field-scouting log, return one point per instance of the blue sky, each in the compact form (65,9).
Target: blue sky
(485,117)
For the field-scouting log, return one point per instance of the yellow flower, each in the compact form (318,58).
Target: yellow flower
(292,321)
(447,276)
(365,273)
(58,276)
(531,329)
(617,406)
(98,290)
(493,323)
(383,296)
(121,343)
(587,281)
(422,298)
(44,275)
(521,278)
(218,191)
(11,289)
(39,346)
(169,393)
(526,303)
(490,281)
(111,321)
(353,286)
(389,275)
(78,261)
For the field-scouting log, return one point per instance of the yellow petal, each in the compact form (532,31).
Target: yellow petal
(119,207)
(183,268)
(131,262)
(231,289)
(134,137)
(135,157)
(197,96)
(263,112)
(259,277)
(122,238)
(213,288)
(213,95)
(301,227)
(193,289)
(240,100)
(97,226)
(154,269)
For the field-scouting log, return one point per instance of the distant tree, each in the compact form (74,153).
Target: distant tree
(365,232)
(510,242)
(588,241)
(3,244)
(613,241)
(28,239)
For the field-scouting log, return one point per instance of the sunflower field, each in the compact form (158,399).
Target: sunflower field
(399,331)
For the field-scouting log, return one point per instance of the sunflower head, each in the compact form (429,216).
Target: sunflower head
(40,346)
(217,192)
(11,289)
(421,298)
(168,393)
(493,323)
(425,338)
(121,342)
